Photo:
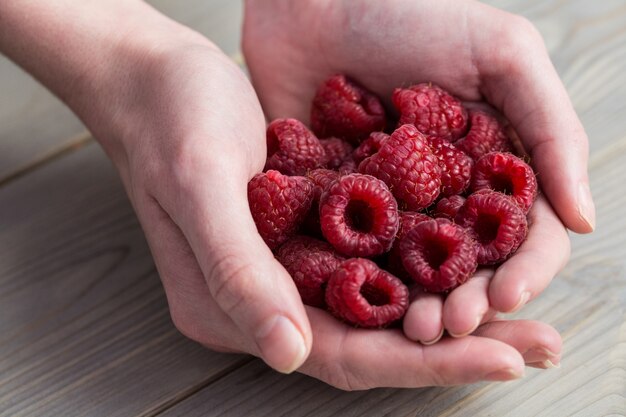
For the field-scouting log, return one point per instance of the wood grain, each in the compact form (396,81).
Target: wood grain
(84,327)
(586,303)
(35,125)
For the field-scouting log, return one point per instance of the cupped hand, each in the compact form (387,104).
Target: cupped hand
(472,50)
(185,129)
(186,132)
(356,359)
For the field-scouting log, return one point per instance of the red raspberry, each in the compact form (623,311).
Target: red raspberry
(310,262)
(432,110)
(278,204)
(337,151)
(408,166)
(349,166)
(496,222)
(408,220)
(507,174)
(321,178)
(456,166)
(448,207)
(345,109)
(364,295)
(369,146)
(486,134)
(438,254)
(359,215)
(292,148)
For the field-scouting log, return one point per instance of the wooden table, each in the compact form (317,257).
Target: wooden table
(84,325)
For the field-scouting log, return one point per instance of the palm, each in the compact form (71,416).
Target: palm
(380,56)
(383,48)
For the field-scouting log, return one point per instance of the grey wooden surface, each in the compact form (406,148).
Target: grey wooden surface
(84,327)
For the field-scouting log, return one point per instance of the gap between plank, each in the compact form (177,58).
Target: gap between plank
(73,144)
(189,392)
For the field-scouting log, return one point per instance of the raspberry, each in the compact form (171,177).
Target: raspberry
(408,166)
(486,134)
(369,146)
(448,207)
(508,174)
(456,166)
(337,151)
(278,204)
(310,262)
(292,148)
(349,166)
(345,109)
(496,222)
(432,110)
(408,220)
(438,254)
(359,215)
(364,295)
(321,178)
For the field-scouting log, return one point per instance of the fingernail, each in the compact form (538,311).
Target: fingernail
(540,354)
(586,208)
(506,374)
(546,352)
(471,330)
(549,364)
(523,299)
(435,340)
(281,344)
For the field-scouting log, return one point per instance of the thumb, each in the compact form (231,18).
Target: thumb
(526,86)
(243,277)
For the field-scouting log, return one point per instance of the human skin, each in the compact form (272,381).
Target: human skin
(478,53)
(185,130)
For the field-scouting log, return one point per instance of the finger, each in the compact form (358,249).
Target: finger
(192,308)
(355,359)
(243,277)
(465,307)
(423,321)
(531,95)
(539,343)
(536,262)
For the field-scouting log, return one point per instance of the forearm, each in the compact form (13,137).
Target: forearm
(91,53)
(73,47)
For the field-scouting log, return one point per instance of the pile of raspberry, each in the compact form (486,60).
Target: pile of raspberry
(360,208)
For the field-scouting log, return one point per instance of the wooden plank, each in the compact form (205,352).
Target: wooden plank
(35,125)
(586,303)
(591,379)
(84,327)
(218,20)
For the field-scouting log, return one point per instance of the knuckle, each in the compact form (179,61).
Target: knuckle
(186,163)
(232,283)
(523,35)
(518,37)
